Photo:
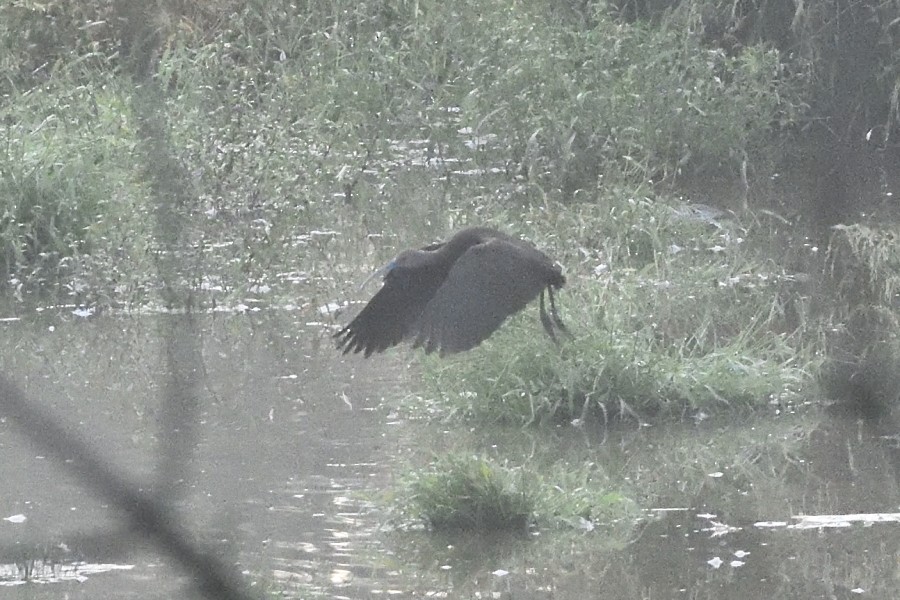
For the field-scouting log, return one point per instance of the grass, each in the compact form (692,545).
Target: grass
(463,493)
(864,261)
(62,171)
(565,480)
(583,107)
(864,334)
(669,318)
(283,128)
(318,145)
(475,493)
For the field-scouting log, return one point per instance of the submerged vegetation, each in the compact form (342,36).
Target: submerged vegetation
(317,138)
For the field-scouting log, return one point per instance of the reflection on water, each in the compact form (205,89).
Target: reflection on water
(39,571)
(295,451)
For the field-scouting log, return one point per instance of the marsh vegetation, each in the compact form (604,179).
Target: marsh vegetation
(717,179)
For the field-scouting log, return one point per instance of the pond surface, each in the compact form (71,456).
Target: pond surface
(295,456)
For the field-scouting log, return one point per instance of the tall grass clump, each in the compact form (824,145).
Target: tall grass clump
(670,316)
(297,120)
(64,180)
(43,40)
(864,262)
(864,337)
(460,492)
(470,494)
(579,105)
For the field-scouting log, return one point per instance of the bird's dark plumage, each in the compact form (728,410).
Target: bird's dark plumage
(450,297)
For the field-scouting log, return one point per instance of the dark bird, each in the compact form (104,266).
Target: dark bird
(452,296)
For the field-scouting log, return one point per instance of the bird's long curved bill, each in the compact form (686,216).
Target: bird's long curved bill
(381,272)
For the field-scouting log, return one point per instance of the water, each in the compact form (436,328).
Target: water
(296,453)
(288,438)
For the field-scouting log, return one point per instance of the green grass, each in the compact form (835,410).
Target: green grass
(864,261)
(290,125)
(582,496)
(63,168)
(669,317)
(563,479)
(318,145)
(582,107)
(464,493)
(863,333)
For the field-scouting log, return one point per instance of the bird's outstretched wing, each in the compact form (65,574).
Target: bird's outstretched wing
(386,319)
(488,283)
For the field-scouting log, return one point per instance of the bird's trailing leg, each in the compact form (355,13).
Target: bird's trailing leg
(546,322)
(556,320)
(552,323)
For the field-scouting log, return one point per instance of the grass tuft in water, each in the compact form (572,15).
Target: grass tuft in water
(471,493)
(463,492)
(861,372)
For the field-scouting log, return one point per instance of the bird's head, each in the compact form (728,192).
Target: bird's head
(409,259)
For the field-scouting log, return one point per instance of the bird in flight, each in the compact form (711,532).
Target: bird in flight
(451,296)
